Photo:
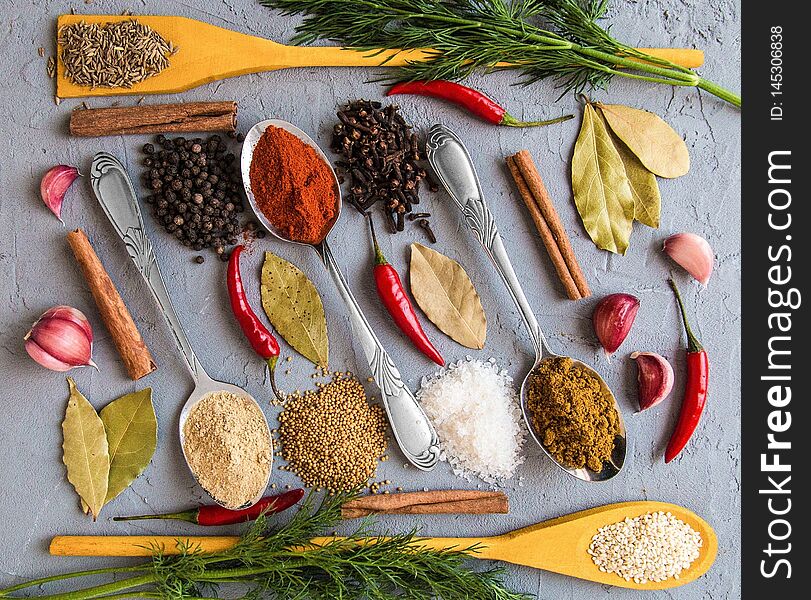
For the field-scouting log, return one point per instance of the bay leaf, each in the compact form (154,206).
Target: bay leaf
(294,307)
(132,435)
(446,295)
(85,450)
(650,138)
(602,192)
(644,187)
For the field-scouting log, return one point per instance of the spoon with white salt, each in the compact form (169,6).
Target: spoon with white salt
(452,164)
(113,189)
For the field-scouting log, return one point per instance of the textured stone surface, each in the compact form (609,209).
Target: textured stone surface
(36,501)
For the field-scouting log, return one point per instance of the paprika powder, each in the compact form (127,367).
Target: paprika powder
(293,186)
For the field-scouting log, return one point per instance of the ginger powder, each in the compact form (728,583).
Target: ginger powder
(227,445)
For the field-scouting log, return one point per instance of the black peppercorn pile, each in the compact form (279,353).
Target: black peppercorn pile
(381,158)
(196,190)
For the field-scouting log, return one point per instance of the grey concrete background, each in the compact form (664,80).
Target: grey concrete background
(36,272)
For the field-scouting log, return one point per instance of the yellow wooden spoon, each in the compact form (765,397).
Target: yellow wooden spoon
(208,53)
(559,545)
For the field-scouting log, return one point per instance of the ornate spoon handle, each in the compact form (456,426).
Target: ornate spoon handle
(453,166)
(114,191)
(413,431)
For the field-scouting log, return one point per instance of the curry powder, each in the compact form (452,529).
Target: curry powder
(573,416)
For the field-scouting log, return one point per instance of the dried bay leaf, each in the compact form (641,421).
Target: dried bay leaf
(644,187)
(294,307)
(446,295)
(653,141)
(132,435)
(602,192)
(85,450)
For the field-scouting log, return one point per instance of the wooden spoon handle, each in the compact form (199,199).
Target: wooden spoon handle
(135,545)
(334,56)
(143,545)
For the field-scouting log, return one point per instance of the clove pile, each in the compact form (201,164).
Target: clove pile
(381,159)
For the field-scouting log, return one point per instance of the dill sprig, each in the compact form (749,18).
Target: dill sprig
(281,562)
(557,39)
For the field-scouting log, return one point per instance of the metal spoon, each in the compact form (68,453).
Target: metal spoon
(115,193)
(453,166)
(412,429)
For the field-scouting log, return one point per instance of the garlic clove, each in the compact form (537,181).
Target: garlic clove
(655,378)
(61,339)
(36,352)
(68,313)
(693,253)
(612,319)
(53,186)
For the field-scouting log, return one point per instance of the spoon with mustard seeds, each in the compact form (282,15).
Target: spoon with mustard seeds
(451,162)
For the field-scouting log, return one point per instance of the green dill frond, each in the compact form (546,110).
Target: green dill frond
(561,40)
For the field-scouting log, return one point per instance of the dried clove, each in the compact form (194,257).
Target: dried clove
(379,159)
(427,227)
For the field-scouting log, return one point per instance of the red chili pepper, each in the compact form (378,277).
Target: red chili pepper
(211,514)
(468,98)
(392,294)
(260,338)
(695,392)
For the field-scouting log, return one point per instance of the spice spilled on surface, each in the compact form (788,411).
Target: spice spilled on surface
(573,416)
(475,411)
(227,446)
(293,186)
(333,438)
(118,54)
(651,547)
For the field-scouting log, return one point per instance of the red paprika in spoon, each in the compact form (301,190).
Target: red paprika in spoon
(392,293)
(695,390)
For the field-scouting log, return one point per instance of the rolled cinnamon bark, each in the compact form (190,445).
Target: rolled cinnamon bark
(126,337)
(543,230)
(471,502)
(154,118)
(538,201)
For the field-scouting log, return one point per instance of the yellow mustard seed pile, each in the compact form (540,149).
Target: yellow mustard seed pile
(332,438)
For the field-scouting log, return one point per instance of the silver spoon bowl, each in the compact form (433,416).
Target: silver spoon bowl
(411,428)
(452,164)
(115,193)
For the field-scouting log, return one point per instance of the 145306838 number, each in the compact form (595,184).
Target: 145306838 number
(776,54)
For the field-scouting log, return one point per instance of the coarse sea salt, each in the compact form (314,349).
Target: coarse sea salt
(475,411)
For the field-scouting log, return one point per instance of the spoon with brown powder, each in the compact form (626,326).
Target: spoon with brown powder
(561,421)
(114,191)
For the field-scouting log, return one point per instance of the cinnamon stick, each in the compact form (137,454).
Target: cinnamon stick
(546,235)
(435,502)
(131,347)
(154,118)
(536,197)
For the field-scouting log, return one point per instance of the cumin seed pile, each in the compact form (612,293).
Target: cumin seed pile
(227,445)
(117,54)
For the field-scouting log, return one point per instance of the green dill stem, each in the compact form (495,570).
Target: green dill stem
(722,93)
(100,591)
(63,576)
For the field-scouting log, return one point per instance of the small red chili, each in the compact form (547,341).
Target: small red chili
(695,391)
(260,338)
(211,514)
(472,100)
(392,293)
